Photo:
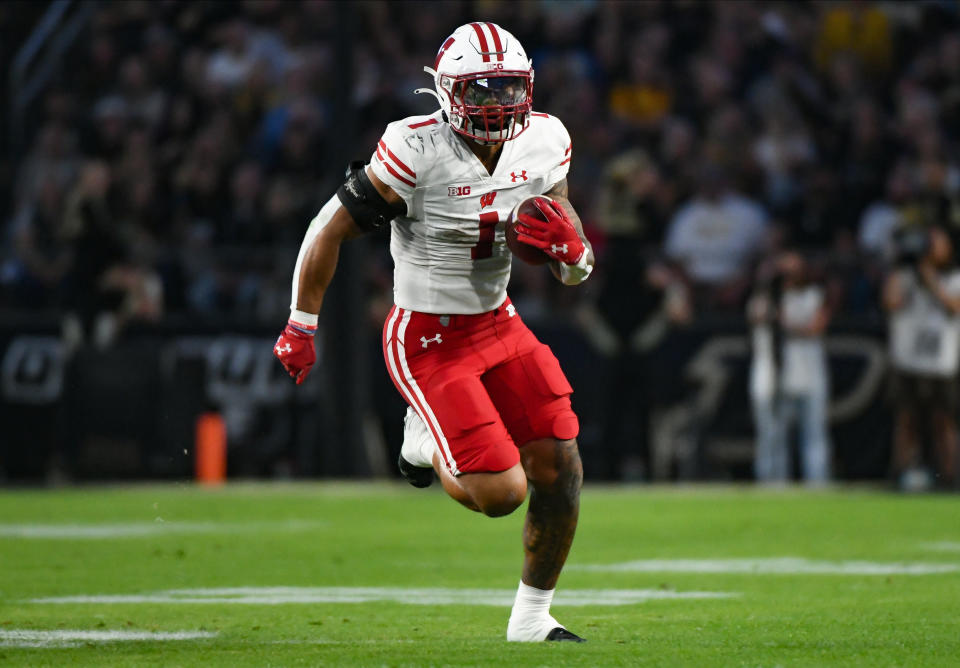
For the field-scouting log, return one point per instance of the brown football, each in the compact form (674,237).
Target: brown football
(525,252)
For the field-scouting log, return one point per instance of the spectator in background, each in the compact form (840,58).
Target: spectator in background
(40,260)
(922,297)
(805,380)
(884,216)
(638,301)
(106,287)
(789,377)
(770,451)
(715,237)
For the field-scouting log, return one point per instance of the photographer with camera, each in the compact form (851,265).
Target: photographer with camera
(922,297)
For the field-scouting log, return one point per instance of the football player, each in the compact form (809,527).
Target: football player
(489,407)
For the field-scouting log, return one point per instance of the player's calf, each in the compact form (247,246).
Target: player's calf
(556,475)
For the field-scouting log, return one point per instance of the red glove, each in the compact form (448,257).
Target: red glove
(557,237)
(294,349)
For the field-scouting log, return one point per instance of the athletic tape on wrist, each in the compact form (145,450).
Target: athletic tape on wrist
(572,274)
(305,322)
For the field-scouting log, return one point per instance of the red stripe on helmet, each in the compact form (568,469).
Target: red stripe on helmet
(497,44)
(483,42)
(443,49)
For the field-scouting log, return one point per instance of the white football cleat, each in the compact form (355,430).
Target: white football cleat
(416,453)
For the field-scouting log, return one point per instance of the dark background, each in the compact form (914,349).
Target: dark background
(161,160)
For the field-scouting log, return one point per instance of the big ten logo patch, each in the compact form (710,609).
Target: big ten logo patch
(458,191)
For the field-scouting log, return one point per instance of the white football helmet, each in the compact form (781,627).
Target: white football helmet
(484,82)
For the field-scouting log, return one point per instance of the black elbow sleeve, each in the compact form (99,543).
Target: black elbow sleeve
(362,201)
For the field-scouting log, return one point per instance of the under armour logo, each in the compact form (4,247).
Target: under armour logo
(435,339)
(522,175)
(559,249)
(285,348)
(511,310)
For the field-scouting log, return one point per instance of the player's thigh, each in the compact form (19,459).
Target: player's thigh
(442,384)
(532,395)
(468,421)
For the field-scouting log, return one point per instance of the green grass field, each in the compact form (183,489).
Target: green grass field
(875,580)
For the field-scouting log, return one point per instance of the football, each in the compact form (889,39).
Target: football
(527,253)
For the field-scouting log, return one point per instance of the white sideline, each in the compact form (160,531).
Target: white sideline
(75,638)
(769,566)
(415,596)
(157,527)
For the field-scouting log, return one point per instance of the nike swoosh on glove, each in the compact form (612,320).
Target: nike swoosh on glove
(556,236)
(294,349)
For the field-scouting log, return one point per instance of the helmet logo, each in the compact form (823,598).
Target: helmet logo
(443,49)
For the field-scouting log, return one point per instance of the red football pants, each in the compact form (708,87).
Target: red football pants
(483,384)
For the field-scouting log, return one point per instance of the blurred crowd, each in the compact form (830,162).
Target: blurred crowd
(173,164)
(760,162)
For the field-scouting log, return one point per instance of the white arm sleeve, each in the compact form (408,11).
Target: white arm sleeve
(318,223)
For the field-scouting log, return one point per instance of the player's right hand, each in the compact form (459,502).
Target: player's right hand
(555,234)
(294,349)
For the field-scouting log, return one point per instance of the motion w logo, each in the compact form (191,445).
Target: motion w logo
(487,199)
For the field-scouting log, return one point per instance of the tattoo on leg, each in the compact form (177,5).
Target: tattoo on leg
(552,518)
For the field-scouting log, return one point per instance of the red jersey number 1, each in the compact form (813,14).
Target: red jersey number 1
(488,231)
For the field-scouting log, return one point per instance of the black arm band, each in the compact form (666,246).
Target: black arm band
(364,204)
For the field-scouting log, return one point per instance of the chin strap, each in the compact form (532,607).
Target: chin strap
(429,91)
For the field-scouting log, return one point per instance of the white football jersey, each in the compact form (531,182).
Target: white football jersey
(449,250)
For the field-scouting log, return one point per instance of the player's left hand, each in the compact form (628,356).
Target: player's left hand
(556,236)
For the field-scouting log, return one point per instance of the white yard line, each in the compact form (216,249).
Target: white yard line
(415,596)
(157,527)
(771,566)
(65,638)
(942,546)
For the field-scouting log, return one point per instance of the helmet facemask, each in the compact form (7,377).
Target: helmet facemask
(491,107)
